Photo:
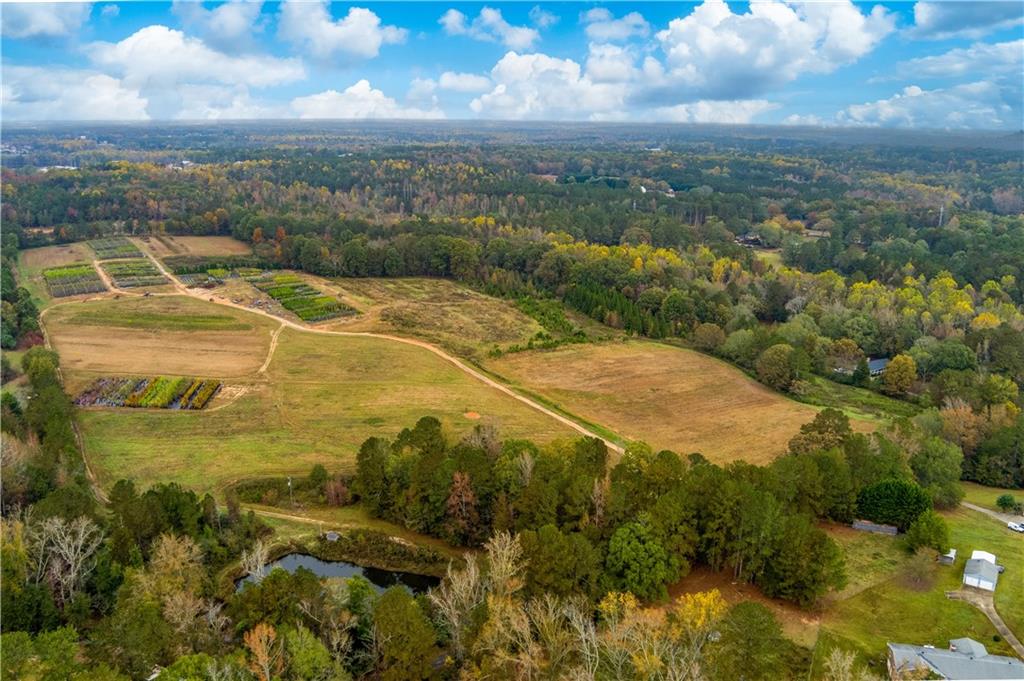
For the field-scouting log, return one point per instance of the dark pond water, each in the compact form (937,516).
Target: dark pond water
(380,579)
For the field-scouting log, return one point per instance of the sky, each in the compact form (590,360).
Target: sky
(945,65)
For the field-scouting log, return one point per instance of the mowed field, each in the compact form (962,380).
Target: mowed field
(163,246)
(319,398)
(173,335)
(461,320)
(668,397)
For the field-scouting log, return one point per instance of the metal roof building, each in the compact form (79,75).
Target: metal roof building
(966,660)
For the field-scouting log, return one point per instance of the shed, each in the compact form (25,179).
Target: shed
(948,558)
(981,574)
(868,526)
(983,555)
(332,536)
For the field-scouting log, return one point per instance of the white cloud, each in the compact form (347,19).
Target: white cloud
(537,86)
(229,26)
(358,101)
(984,59)
(34,93)
(218,102)
(464,82)
(489,26)
(31,19)
(974,19)
(982,104)
(602,26)
(359,34)
(110,11)
(160,55)
(809,120)
(542,18)
(713,53)
(610,64)
(727,112)
(157,60)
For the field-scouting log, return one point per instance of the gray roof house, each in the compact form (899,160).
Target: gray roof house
(981,573)
(875,366)
(966,660)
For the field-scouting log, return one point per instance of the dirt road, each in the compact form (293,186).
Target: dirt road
(204,295)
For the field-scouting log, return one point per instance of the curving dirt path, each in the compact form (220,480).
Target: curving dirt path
(1001,517)
(398,339)
(273,346)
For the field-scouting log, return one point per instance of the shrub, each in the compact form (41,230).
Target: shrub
(776,366)
(893,502)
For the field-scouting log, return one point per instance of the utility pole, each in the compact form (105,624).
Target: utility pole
(942,212)
(291,499)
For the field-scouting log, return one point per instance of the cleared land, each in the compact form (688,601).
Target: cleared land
(320,397)
(163,246)
(172,335)
(668,397)
(455,317)
(462,321)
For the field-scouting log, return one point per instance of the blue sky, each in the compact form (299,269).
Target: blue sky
(923,64)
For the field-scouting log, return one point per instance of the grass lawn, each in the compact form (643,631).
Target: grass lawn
(321,397)
(894,610)
(983,496)
(671,398)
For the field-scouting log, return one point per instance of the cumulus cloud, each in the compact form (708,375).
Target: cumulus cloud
(974,19)
(610,64)
(978,59)
(358,101)
(602,26)
(536,86)
(714,53)
(229,26)
(220,102)
(34,93)
(42,19)
(489,26)
(110,11)
(542,18)
(359,34)
(983,104)
(157,60)
(727,112)
(464,82)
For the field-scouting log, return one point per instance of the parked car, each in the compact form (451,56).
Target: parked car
(1016,527)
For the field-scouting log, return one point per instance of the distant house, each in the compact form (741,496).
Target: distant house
(876,366)
(966,659)
(948,558)
(876,528)
(981,571)
(749,240)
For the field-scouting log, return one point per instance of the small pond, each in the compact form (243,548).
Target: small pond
(381,580)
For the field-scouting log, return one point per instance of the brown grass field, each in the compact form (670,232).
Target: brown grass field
(172,335)
(668,397)
(165,245)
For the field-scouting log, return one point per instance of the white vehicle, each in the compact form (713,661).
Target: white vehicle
(1016,527)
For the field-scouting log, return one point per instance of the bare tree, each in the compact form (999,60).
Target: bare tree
(64,553)
(254,561)
(505,564)
(455,598)
(525,462)
(842,666)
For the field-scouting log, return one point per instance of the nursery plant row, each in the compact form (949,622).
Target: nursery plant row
(161,392)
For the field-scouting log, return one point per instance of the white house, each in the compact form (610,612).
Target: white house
(981,571)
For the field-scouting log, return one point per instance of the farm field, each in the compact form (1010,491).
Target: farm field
(73,280)
(165,245)
(112,247)
(668,397)
(463,321)
(173,335)
(33,261)
(321,397)
(295,295)
(983,496)
(134,273)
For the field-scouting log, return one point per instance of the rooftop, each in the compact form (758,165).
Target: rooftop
(976,567)
(966,660)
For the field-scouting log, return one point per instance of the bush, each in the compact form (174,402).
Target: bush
(709,337)
(928,530)
(893,502)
